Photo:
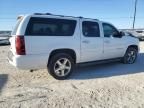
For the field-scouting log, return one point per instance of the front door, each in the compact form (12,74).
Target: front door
(114,46)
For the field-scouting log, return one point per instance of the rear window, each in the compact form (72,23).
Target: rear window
(16,27)
(50,27)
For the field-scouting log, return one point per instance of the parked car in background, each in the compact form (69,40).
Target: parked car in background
(4,39)
(58,43)
(141,34)
(134,33)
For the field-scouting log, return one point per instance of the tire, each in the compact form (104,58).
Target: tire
(61,66)
(130,56)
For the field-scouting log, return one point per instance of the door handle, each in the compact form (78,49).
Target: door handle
(106,41)
(86,41)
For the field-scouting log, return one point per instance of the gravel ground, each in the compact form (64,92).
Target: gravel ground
(112,85)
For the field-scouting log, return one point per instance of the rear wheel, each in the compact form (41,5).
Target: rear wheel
(130,56)
(60,66)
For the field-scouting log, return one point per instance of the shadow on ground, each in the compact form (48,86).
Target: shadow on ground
(109,69)
(3,81)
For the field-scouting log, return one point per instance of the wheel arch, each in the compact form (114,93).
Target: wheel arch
(134,46)
(71,52)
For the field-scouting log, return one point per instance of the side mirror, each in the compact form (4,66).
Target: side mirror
(118,34)
(122,33)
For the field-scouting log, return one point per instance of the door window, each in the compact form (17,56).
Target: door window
(109,30)
(90,29)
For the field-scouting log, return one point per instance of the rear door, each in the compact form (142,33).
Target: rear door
(91,40)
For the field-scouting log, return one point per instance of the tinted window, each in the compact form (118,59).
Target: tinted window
(90,29)
(50,27)
(109,30)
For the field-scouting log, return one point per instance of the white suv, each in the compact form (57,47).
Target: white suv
(59,42)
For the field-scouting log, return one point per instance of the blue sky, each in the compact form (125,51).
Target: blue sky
(118,12)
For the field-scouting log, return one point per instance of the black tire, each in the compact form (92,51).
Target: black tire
(130,56)
(53,64)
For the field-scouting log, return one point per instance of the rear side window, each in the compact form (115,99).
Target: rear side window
(50,27)
(90,29)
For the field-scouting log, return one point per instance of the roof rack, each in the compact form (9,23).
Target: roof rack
(61,15)
(42,14)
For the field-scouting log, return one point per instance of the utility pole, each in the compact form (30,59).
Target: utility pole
(135,14)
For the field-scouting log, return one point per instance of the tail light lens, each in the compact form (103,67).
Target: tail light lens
(20,45)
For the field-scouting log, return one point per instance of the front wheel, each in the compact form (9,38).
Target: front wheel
(130,56)
(60,66)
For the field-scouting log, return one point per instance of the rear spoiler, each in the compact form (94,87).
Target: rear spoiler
(20,17)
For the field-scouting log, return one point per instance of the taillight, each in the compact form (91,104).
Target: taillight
(20,45)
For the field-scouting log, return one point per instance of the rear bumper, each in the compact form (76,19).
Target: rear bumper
(28,61)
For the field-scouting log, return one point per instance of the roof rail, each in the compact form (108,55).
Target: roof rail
(54,15)
(62,15)
(42,14)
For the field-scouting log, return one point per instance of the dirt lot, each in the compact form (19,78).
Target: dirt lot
(112,85)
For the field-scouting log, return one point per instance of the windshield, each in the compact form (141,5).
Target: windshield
(16,27)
